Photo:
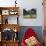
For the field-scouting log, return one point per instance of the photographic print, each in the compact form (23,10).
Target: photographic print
(32,13)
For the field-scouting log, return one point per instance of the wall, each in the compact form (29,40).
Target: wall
(6,3)
(12,20)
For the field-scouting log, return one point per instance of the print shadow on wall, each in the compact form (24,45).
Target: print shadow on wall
(32,13)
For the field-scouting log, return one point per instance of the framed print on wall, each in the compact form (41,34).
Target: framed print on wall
(32,13)
(5,12)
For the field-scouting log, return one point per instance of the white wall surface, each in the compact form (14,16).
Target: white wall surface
(12,20)
(27,4)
